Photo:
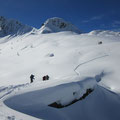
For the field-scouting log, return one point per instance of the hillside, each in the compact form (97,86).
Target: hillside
(84,76)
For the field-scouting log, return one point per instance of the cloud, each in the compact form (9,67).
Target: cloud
(116,30)
(116,24)
(93,18)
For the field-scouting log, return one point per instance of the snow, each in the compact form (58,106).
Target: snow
(100,105)
(74,62)
(45,96)
(12,27)
(56,24)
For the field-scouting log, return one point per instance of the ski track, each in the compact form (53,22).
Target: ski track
(7,90)
(88,62)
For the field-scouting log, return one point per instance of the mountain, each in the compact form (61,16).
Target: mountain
(52,25)
(12,27)
(56,24)
(84,76)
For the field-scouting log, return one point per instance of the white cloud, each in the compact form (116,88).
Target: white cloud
(93,18)
(116,30)
(116,24)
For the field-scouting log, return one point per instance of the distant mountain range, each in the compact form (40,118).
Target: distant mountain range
(14,27)
(52,25)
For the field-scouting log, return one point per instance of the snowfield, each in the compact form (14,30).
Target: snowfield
(84,75)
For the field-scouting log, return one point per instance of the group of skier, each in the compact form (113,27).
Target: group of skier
(32,77)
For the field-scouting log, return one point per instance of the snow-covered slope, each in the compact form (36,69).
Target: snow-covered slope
(34,99)
(12,27)
(34,53)
(74,62)
(55,24)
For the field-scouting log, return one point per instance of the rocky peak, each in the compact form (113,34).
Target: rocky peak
(12,27)
(58,25)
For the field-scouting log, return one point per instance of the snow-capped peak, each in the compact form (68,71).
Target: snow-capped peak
(56,24)
(12,27)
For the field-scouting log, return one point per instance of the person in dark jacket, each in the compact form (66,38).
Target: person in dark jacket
(32,77)
(47,77)
(44,78)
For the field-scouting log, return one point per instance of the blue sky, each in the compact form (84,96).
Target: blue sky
(87,15)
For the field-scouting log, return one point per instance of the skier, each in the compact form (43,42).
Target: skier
(44,78)
(47,77)
(100,42)
(31,78)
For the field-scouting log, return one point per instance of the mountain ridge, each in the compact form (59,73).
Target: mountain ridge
(57,24)
(12,27)
(52,25)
